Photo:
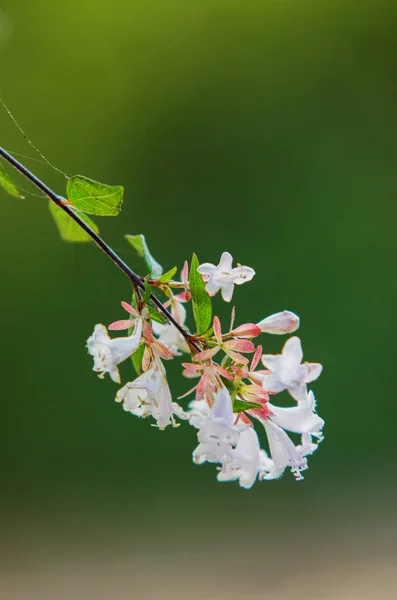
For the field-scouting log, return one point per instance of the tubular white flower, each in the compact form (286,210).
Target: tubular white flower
(169,335)
(287,372)
(149,395)
(247,462)
(217,435)
(108,352)
(284,453)
(280,323)
(223,277)
(298,419)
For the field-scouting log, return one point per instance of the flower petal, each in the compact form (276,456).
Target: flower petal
(280,323)
(227,292)
(292,351)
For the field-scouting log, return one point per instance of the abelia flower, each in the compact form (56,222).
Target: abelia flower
(149,395)
(168,335)
(217,434)
(232,347)
(247,461)
(224,277)
(287,372)
(297,419)
(108,352)
(280,323)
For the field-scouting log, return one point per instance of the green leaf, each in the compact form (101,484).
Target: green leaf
(138,242)
(7,184)
(146,293)
(69,230)
(136,358)
(93,197)
(156,316)
(168,275)
(202,307)
(239,405)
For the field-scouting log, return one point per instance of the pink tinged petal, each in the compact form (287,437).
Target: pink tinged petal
(248,330)
(272,361)
(292,351)
(222,371)
(192,367)
(314,371)
(256,358)
(232,317)
(185,272)
(187,393)
(130,309)
(223,407)
(163,351)
(298,419)
(218,330)
(240,345)
(121,325)
(280,323)
(227,292)
(206,355)
(238,358)
(225,263)
(242,275)
(206,269)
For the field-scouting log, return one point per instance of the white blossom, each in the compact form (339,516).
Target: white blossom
(217,434)
(169,335)
(149,395)
(224,277)
(248,461)
(280,323)
(297,419)
(108,352)
(287,372)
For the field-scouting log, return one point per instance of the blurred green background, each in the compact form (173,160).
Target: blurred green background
(260,127)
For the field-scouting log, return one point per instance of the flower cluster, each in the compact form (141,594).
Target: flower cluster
(231,391)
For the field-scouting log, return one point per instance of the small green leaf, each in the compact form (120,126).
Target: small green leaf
(240,405)
(156,316)
(93,197)
(146,293)
(202,307)
(138,242)
(69,230)
(168,275)
(136,358)
(7,184)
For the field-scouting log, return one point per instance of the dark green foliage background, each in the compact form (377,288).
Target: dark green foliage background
(264,128)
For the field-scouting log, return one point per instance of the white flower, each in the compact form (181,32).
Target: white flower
(247,462)
(217,435)
(169,335)
(149,395)
(297,419)
(108,352)
(287,372)
(280,323)
(223,277)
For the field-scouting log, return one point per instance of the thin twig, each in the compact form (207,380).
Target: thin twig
(66,207)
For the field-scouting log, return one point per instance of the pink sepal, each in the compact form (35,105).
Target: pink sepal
(121,325)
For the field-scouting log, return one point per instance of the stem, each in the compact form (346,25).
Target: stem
(134,278)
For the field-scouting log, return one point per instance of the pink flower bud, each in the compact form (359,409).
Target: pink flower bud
(280,323)
(248,330)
